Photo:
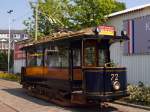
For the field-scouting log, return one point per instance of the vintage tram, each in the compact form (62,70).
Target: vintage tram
(74,68)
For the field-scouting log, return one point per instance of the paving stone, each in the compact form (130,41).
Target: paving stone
(14,99)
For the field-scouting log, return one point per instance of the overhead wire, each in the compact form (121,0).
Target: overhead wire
(20,17)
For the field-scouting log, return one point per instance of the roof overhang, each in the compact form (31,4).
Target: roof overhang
(128,10)
(67,37)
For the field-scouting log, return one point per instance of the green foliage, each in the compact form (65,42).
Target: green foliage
(51,17)
(119,6)
(113,64)
(10,77)
(139,94)
(4,60)
(29,23)
(87,13)
(54,15)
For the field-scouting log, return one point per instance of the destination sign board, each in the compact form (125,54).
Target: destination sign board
(106,30)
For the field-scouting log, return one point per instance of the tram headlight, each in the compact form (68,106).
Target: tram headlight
(116,85)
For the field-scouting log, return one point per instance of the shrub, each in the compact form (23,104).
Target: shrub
(139,94)
(12,77)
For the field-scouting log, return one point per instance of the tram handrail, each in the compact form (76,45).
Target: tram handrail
(112,65)
(106,64)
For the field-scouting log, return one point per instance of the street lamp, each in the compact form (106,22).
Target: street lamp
(36,21)
(9,12)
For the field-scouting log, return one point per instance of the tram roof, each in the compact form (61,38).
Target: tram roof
(68,35)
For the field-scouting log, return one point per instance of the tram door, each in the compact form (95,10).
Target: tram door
(76,69)
(95,56)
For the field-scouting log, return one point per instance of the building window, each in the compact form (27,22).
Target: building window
(25,36)
(4,35)
(16,36)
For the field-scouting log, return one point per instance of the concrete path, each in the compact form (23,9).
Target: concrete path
(14,99)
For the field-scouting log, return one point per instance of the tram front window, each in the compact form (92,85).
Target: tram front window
(101,57)
(96,54)
(90,56)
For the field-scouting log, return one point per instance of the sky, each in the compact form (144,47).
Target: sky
(21,11)
(133,3)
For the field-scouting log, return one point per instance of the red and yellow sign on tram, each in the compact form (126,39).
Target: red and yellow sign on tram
(106,30)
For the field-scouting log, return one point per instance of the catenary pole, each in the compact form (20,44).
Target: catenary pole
(9,12)
(36,21)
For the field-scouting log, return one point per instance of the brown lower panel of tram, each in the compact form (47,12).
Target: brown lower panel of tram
(56,73)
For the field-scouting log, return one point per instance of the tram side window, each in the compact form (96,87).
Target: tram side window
(35,58)
(76,58)
(31,60)
(39,60)
(52,59)
(90,56)
(64,58)
(57,59)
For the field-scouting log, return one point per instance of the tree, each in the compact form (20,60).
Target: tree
(119,6)
(30,26)
(51,16)
(87,13)
(4,60)
(72,14)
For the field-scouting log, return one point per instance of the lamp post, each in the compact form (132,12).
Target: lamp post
(36,21)
(9,12)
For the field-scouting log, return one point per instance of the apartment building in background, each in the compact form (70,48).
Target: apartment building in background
(15,36)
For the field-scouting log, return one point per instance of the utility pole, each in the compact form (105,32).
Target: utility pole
(9,12)
(36,20)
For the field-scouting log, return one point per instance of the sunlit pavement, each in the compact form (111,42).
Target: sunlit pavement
(14,99)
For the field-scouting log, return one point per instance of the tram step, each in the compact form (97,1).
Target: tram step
(78,98)
(77,92)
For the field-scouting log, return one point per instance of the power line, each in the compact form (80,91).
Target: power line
(20,17)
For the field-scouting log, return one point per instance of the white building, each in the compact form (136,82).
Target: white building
(15,35)
(137,62)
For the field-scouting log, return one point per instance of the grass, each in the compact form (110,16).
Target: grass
(11,77)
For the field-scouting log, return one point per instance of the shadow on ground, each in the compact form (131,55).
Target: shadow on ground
(19,92)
